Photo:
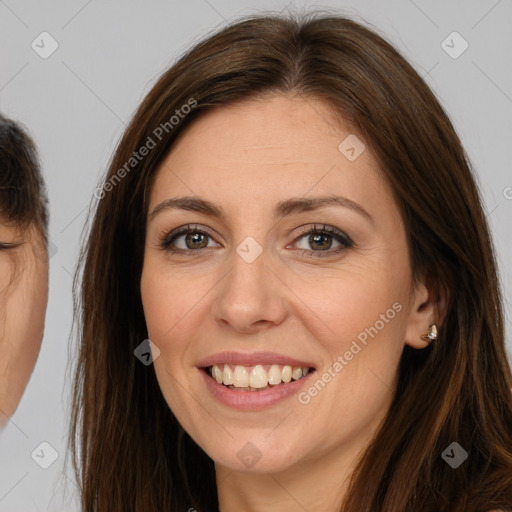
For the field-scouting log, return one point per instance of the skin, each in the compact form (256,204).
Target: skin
(23,300)
(246,158)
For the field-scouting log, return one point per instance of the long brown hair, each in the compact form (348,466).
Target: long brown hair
(130,453)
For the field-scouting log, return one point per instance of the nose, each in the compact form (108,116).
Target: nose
(249,296)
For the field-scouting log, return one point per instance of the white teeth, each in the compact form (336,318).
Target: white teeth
(274,375)
(227,375)
(286,374)
(240,377)
(297,373)
(257,378)
(217,374)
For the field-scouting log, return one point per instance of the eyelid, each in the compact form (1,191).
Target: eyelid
(324,228)
(166,237)
(6,245)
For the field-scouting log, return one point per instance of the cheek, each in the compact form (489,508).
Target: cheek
(358,318)
(6,269)
(342,303)
(374,294)
(169,301)
(358,325)
(159,305)
(172,305)
(24,302)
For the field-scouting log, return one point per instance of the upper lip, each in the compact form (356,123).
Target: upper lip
(252,359)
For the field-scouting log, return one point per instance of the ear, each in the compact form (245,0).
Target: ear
(428,307)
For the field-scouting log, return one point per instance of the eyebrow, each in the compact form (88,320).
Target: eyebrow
(282,209)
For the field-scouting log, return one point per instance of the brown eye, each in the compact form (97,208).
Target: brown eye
(193,240)
(196,240)
(319,239)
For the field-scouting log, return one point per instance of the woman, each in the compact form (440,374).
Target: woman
(371,377)
(23,263)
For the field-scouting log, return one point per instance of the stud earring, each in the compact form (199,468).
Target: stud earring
(432,334)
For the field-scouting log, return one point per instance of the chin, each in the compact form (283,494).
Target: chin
(255,456)
(256,466)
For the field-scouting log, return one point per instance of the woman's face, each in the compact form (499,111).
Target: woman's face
(23,299)
(339,301)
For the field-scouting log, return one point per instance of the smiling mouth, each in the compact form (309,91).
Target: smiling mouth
(255,378)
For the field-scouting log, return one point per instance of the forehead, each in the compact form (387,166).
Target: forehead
(267,150)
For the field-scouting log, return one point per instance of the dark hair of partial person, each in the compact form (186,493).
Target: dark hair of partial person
(23,195)
(129,451)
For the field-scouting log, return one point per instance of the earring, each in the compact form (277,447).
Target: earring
(432,334)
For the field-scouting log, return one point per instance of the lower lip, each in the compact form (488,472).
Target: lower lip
(253,400)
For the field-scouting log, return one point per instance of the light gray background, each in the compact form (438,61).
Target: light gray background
(77,101)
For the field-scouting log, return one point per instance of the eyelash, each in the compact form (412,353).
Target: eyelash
(168,239)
